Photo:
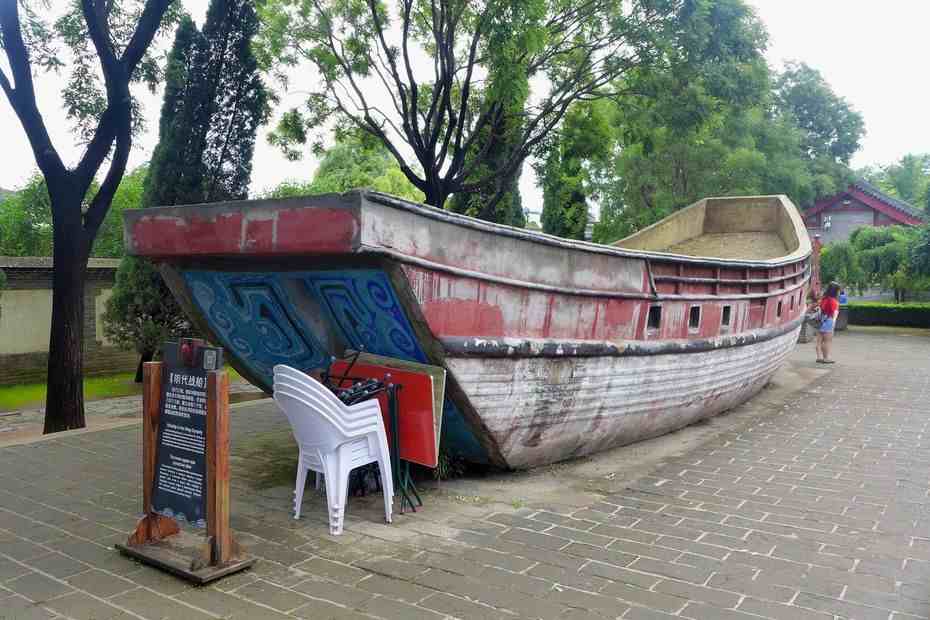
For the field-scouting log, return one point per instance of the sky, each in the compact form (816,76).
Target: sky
(871,53)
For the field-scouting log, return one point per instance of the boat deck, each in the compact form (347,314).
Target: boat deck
(743,245)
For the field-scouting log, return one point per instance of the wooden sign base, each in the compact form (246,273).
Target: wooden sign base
(158,540)
(187,555)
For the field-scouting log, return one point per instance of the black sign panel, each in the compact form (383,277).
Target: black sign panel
(181,464)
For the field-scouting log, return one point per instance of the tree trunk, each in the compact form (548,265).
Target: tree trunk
(436,195)
(147,356)
(64,404)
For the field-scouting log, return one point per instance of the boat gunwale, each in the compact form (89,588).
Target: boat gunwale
(802,252)
(348,201)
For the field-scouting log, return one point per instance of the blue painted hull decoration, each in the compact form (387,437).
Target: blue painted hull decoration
(262,320)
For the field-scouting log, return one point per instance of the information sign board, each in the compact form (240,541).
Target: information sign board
(180,465)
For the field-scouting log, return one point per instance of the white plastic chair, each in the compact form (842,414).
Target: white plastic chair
(333,439)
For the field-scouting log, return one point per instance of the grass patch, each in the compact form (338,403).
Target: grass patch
(32,395)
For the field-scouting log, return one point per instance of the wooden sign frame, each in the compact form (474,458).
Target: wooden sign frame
(158,540)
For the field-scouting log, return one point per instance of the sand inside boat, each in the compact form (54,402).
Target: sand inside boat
(751,245)
(746,228)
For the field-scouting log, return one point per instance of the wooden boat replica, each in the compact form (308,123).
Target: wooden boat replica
(554,348)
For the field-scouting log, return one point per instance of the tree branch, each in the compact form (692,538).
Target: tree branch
(22,97)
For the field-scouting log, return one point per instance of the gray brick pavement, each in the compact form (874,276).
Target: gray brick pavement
(816,508)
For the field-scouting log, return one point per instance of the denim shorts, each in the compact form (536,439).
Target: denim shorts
(826,327)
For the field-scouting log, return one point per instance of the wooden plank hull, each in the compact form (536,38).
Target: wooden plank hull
(550,344)
(544,409)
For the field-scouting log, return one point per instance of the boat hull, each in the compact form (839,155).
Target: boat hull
(549,344)
(545,409)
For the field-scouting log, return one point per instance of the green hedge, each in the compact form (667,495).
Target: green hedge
(897,315)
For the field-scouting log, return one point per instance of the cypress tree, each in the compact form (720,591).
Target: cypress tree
(213,105)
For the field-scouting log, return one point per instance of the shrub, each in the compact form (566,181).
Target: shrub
(897,315)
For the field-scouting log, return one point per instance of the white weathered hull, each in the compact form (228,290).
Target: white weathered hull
(540,410)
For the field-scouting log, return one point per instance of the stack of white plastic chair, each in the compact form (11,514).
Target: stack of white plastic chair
(333,438)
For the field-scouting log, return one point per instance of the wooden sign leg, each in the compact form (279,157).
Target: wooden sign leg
(218,468)
(153,526)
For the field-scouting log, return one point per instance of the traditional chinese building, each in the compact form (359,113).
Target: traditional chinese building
(860,204)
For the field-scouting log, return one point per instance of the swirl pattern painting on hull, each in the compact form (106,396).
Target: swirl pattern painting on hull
(254,319)
(362,304)
(261,319)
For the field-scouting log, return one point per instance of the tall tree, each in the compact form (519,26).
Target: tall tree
(26,220)
(584,141)
(108,39)
(213,105)
(409,72)
(832,128)
(355,161)
(908,178)
(711,122)
(693,125)
(884,255)
(512,38)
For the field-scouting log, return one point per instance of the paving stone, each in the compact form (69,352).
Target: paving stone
(456,563)
(777,611)
(215,601)
(897,601)
(698,611)
(683,544)
(147,604)
(641,613)
(580,536)
(322,610)
(398,589)
(522,583)
(522,522)
(58,565)
(333,592)
(395,610)
(842,608)
(10,569)
(535,539)
(570,597)
(459,607)
(342,573)
(574,613)
(712,596)
(37,588)
(501,560)
(391,567)
(23,550)
(160,581)
(272,595)
(81,606)
(18,608)
(744,584)
(564,520)
(621,575)
(607,556)
(669,569)
(100,583)
(644,598)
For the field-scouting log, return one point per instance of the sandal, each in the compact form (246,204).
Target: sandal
(828,361)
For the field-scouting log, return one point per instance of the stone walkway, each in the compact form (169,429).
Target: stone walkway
(815,507)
